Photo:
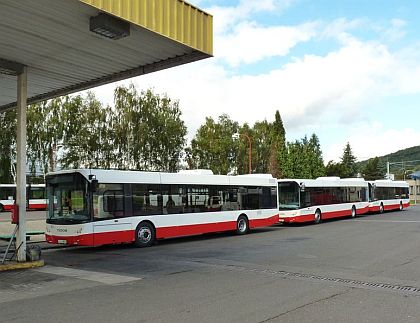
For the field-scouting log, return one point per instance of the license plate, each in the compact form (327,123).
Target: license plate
(62,241)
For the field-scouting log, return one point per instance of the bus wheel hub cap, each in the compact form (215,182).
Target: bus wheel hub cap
(144,234)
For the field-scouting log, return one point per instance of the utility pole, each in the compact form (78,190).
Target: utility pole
(21,164)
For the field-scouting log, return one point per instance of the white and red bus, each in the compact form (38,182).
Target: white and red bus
(97,207)
(387,195)
(35,194)
(314,200)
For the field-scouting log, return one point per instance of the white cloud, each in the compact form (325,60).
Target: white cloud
(302,90)
(226,17)
(340,28)
(371,140)
(396,31)
(249,43)
(309,91)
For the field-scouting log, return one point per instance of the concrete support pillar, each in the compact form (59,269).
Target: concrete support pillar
(21,163)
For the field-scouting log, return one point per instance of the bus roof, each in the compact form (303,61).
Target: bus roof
(329,182)
(389,183)
(14,185)
(128,176)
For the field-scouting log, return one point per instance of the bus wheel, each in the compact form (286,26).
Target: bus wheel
(1,208)
(381,208)
(401,206)
(242,225)
(318,216)
(353,211)
(145,235)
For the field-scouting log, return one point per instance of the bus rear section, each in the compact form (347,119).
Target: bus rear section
(97,207)
(314,200)
(35,195)
(387,195)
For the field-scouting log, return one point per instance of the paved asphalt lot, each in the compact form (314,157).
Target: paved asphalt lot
(361,270)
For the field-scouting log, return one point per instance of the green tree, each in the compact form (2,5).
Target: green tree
(372,170)
(243,152)
(348,161)
(295,163)
(148,129)
(72,120)
(45,133)
(87,142)
(278,151)
(8,125)
(304,158)
(213,146)
(315,160)
(334,169)
(262,140)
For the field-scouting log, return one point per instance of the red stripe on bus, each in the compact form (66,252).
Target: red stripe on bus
(363,210)
(41,206)
(335,214)
(391,207)
(388,207)
(298,219)
(374,209)
(97,239)
(188,230)
(325,215)
(31,206)
(81,240)
(113,237)
(256,223)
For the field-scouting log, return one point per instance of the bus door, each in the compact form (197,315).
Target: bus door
(110,223)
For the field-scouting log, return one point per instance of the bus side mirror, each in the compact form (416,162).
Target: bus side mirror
(302,187)
(94,185)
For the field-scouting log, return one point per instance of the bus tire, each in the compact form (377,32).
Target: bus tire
(318,216)
(145,235)
(353,212)
(401,206)
(381,208)
(242,225)
(1,207)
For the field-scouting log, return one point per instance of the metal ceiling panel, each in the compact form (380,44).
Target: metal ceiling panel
(52,38)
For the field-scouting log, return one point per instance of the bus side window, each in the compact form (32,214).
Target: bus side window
(113,202)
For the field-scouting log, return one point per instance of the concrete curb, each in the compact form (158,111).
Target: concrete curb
(22,265)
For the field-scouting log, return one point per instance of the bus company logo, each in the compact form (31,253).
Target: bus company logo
(61,230)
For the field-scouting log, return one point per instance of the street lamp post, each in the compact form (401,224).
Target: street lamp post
(236,136)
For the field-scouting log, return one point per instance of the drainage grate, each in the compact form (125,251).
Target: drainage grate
(317,278)
(343,281)
(302,276)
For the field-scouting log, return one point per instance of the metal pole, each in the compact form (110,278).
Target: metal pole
(387,170)
(21,163)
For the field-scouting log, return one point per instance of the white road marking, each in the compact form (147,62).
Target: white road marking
(100,277)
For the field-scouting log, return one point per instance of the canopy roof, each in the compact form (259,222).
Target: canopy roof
(52,38)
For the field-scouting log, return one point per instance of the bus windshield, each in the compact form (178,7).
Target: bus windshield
(67,199)
(288,195)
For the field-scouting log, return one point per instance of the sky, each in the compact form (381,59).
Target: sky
(347,70)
